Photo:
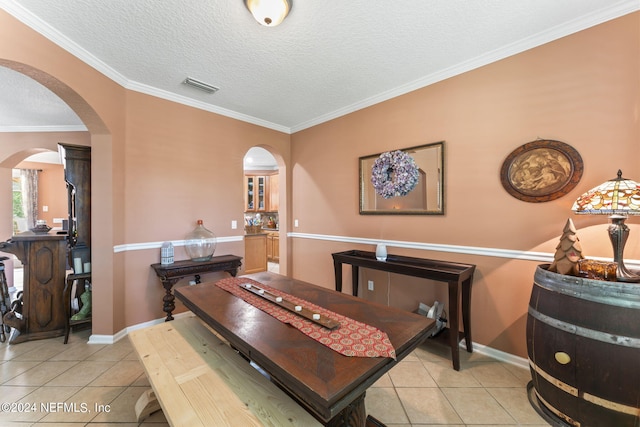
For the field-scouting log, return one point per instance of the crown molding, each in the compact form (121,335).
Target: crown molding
(169,96)
(19,129)
(46,30)
(616,10)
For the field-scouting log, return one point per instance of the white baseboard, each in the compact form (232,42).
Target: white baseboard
(478,348)
(498,355)
(110,339)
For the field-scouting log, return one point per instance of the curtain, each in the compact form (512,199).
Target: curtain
(29,181)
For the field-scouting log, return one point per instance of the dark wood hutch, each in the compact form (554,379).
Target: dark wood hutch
(46,257)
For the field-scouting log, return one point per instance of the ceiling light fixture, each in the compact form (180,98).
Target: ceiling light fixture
(200,85)
(269,12)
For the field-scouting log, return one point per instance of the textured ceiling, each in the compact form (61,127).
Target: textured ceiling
(327,59)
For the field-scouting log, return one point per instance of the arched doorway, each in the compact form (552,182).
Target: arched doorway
(261,210)
(14,147)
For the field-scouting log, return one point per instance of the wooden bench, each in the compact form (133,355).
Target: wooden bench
(199,380)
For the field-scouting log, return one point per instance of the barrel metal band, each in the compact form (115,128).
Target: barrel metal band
(605,403)
(618,407)
(585,332)
(558,413)
(553,380)
(617,294)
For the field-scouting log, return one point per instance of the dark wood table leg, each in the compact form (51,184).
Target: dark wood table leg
(169,298)
(454,334)
(466,314)
(355,270)
(353,415)
(373,422)
(337,268)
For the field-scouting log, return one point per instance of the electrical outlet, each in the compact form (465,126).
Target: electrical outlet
(370,285)
(295,223)
(234,224)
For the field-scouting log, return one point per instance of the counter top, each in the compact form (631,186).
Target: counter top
(30,235)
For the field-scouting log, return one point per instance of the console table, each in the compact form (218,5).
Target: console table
(458,276)
(170,274)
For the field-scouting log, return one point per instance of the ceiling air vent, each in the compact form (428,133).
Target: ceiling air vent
(200,85)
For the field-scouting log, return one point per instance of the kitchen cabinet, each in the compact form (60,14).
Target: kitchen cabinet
(273,247)
(261,192)
(274,192)
(255,253)
(255,196)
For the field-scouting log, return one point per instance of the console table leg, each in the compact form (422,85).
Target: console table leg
(169,298)
(355,270)
(337,268)
(466,314)
(454,334)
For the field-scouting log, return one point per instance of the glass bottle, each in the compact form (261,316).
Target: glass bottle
(200,244)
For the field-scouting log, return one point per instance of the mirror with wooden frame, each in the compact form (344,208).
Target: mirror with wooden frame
(426,198)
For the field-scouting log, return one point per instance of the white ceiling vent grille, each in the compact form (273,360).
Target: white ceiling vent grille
(200,85)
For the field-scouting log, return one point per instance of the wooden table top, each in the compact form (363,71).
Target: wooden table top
(322,380)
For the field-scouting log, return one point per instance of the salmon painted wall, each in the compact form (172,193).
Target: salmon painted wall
(99,102)
(183,164)
(158,166)
(582,90)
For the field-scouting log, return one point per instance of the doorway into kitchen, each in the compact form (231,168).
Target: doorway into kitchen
(262,220)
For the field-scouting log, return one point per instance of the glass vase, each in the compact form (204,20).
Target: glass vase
(200,244)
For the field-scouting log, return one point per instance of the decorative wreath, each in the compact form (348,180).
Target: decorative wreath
(394,173)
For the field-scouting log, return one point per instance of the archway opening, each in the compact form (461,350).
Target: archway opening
(261,188)
(18,144)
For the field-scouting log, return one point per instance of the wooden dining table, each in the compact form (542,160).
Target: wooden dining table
(327,384)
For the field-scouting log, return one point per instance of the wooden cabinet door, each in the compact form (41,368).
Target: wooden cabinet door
(256,193)
(261,193)
(270,247)
(255,253)
(274,193)
(276,248)
(249,197)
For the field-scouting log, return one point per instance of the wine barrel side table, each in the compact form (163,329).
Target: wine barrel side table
(583,343)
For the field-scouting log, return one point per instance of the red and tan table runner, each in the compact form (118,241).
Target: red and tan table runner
(352,338)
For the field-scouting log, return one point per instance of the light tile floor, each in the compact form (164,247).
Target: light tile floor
(80,384)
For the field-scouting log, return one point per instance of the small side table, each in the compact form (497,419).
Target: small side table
(67,302)
(170,274)
(458,277)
